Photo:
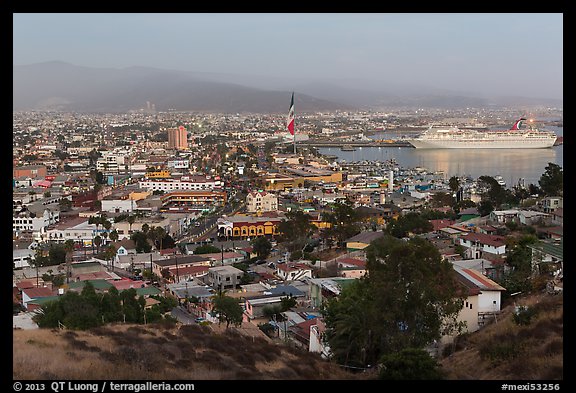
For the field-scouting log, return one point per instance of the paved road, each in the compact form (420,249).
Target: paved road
(183,316)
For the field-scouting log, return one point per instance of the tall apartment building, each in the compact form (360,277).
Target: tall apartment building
(177,138)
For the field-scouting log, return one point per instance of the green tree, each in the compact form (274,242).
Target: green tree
(454,184)
(141,242)
(131,219)
(519,259)
(110,306)
(206,249)
(65,205)
(132,306)
(56,254)
(485,208)
(410,223)
(494,192)
(114,235)
(552,181)
(228,310)
(441,199)
(262,247)
(408,299)
(409,364)
(68,249)
(97,242)
(344,221)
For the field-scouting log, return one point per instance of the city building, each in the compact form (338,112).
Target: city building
(178,138)
(261,201)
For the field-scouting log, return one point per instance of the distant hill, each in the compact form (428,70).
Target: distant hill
(66,87)
(63,86)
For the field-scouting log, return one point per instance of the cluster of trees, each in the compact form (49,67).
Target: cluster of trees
(495,196)
(89,309)
(149,236)
(408,299)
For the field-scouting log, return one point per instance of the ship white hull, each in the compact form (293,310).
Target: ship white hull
(482,144)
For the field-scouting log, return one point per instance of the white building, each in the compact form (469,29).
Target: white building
(198,183)
(261,201)
(25,221)
(110,163)
(22,257)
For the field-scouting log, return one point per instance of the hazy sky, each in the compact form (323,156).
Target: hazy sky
(512,53)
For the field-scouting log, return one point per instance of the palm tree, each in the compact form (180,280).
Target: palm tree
(109,254)
(69,247)
(131,220)
(114,235)
(97,242)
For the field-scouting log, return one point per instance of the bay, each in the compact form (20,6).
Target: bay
(514,165)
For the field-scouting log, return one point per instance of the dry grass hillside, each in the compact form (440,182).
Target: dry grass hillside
(500,351)
(504,350)
(135,352)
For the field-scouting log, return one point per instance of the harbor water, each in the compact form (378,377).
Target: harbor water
(511,164)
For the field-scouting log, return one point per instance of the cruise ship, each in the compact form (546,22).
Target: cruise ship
(451,137)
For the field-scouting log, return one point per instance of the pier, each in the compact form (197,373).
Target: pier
(395,143)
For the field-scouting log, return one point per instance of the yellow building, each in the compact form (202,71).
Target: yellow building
(158,175)
(245,226)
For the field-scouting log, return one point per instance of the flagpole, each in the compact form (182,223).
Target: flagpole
(290,122)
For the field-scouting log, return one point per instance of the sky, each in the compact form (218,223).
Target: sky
(518,54)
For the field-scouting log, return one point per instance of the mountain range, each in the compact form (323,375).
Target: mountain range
(66,87)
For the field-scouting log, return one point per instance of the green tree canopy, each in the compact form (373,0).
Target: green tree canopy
(409,364)
(552,181)
(406,224)
(206,249)
(261,246)
(228,310)
(408,299)
(141,242)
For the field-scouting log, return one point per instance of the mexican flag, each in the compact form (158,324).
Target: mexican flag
(290,122)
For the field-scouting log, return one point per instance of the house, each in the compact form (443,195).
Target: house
(503,216)
(439,224)
(293,271)
(531,217)
(547,257)
(199,293)
(452,232)
(183,274)
(377,215)
(551,204)
(491,269)
(124,247)
(484,297)
(141,261)
(351,267)
(22,258)
(362,240)
(468,214)
(479,243)
(300,332)
(286,290)
(317,343)
(225,258)
(488,229)
(254,305)
(321,289)
(178,262)
(555,233)
(224,277)
(31,294)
